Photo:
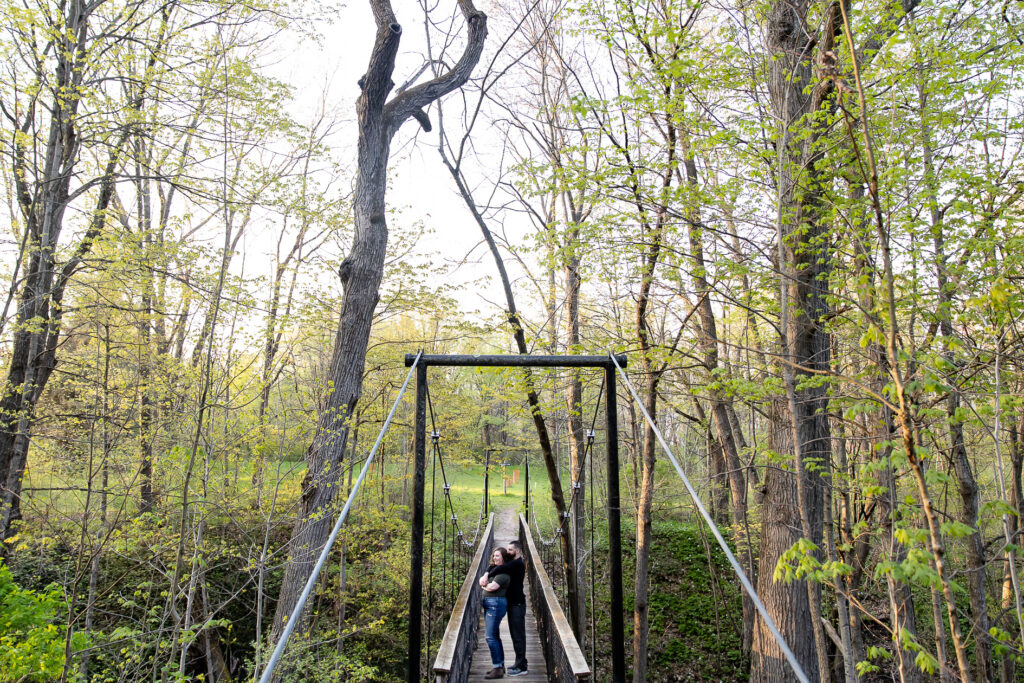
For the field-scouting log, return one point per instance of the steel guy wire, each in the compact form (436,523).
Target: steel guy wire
(574,482)
(435,437)
(769,622)
(300,605)
(430,581)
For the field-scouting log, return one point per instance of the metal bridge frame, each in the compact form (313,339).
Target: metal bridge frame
(608,364)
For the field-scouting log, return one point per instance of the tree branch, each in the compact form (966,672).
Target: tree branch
(411,102)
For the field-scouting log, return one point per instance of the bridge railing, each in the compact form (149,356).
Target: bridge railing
(455,653)
(562,652)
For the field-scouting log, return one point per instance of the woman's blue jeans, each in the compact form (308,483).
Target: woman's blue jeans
(494,612)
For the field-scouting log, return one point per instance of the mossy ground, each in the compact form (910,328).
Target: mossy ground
(695,608)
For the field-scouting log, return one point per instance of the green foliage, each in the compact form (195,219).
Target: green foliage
(215,139)
(31,644)
(874,654)
(307,659)
(800,562)
(1002,644)
(695,607)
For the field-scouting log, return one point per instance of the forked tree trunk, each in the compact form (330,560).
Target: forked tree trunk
(361,273)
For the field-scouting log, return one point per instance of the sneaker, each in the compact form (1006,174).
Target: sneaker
(517,671)
(496,672)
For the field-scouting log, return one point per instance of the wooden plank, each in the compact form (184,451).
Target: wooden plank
(573,653)
(446,650)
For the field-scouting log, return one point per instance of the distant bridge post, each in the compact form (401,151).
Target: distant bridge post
(526,483)
(416,548)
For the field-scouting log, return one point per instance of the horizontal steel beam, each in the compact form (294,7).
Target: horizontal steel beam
(516,361)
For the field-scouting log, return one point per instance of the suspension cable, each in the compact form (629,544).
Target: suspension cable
(300,605)
(458,541)
(560,527)
(574,482)
(435,438)
(769,622)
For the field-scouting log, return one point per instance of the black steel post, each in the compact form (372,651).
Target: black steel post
(526,480)
(487,482)
(614,529)
(416,547)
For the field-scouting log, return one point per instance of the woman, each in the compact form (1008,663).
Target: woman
(495,606)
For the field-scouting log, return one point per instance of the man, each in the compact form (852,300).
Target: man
(516,570)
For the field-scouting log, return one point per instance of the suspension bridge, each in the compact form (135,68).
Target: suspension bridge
(553,650)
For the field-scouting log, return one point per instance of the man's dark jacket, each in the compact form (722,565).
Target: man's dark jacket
(516,570)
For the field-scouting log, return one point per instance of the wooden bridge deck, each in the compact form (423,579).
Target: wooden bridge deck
(505,531)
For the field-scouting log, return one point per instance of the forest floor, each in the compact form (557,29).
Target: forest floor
(695,610)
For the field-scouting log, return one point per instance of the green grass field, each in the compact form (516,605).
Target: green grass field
(56,493)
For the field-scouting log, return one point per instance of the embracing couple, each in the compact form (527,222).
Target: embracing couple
(503,593)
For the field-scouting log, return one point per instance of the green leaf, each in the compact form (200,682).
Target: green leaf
(954,529)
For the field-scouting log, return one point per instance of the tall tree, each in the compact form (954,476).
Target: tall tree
(533,29)
(379,118)
(65,80)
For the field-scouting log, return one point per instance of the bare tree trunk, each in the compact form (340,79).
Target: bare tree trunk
(967,486)
(787,603)
(361,273)
(94,565)
(644,529)
(144,215)
(653,235)
(577,446)
(848,670)
(940,637)
(855,554)
(708,341)
(1016,433)
(719,479)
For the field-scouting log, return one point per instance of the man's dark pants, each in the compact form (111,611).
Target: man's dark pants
(517,629)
